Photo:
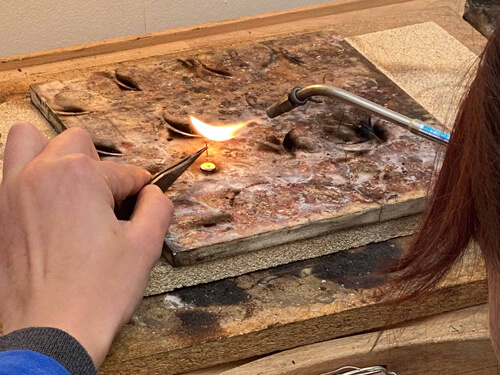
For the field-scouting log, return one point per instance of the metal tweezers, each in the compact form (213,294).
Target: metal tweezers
(164,179)
(351,370)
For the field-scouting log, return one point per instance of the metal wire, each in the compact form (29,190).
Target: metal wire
(351,370)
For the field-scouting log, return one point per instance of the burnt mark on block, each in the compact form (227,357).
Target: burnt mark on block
(188,63)
(359,268)
(213,220)
(292,58)
(293,142)
(179,127)
(213,70)
(289,142)
(373,129)
(107,149)
(126,82)
(208,220)
(219,293)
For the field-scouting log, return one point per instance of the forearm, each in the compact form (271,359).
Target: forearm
(43,351)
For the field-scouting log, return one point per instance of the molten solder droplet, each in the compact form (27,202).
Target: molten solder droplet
(208,167)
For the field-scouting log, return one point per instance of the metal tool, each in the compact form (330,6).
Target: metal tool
(164,180)
(300,96)
(351,370)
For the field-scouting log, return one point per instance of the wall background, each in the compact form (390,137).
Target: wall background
(29,26)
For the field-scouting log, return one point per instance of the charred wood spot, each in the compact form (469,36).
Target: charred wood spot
(179,127)
(359,268)
(124,81)
(220,293)
(198,324)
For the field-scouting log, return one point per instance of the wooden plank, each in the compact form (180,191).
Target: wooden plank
(188,33)
(280,308)
(447,344)
(217,370)
(332,173)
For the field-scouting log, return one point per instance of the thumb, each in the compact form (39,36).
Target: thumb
(24,143)
(150,221)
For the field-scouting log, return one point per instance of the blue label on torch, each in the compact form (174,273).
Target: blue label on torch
(431,131)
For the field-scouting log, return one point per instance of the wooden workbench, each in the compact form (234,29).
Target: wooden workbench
(294,305)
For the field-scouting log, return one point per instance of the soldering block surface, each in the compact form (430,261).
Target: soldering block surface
(314,171)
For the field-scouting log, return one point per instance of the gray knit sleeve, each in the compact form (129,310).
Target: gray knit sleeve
(53,343)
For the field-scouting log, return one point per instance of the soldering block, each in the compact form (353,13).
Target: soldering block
(312,172)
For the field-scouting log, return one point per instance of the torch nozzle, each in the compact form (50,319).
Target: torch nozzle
(286,104)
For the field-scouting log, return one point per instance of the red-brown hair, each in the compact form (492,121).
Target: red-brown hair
(465,202)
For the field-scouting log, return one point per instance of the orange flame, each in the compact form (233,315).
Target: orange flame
(217,133)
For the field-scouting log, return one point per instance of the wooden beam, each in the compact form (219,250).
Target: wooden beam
(278,309)
(448,344)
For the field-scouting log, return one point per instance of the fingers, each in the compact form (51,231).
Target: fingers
(72,141)
(24,143)
(123,180)
(150,221)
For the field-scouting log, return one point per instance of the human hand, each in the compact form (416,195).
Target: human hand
(65,260)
